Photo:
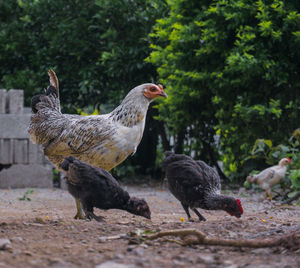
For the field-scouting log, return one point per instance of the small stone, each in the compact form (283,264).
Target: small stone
(5,244)
(205,259)
(139,251)
(17,239)
(102,239)
(28,253)
(119,256)
(178,263)
(83,241)
(90,250)
(111,264)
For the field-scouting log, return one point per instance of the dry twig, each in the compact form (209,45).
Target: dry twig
(196,237)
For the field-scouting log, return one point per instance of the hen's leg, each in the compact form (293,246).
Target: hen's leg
(186,209)
(79,215)
(201,218)
(89,213)
(269,194)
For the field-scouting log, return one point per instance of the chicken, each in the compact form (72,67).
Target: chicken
(197,185)
(95,187)
(270,176)
(98,140)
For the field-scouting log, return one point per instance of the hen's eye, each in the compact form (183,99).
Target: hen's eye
(152,89)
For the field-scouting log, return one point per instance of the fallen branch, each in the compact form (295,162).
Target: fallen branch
(290,241)
(290,200)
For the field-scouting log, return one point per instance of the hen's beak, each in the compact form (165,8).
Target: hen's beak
(163,94)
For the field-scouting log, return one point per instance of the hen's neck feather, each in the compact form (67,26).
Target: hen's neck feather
(131,111)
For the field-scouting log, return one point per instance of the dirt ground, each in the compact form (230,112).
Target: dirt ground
(43,233)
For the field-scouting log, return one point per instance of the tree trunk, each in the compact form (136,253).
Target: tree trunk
(163,135)
(180,141)
(207,147)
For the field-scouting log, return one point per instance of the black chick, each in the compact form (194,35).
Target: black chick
(95,187)
(197,185)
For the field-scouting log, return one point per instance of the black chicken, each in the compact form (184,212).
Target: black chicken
(95,187)
(197,185)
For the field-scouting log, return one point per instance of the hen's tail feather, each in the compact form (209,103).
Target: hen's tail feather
(54,81)
(51,97)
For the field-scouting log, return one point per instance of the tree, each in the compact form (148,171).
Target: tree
(230,70)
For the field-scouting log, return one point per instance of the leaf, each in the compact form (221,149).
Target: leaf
(269,143)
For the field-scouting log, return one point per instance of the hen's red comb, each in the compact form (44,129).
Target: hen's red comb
(238,201)
(289,159)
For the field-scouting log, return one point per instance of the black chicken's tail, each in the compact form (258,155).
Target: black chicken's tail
(171,157)
(50,99)
(67,161)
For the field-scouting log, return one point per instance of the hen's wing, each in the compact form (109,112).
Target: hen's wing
(210,175)
(78,134)
(265,175)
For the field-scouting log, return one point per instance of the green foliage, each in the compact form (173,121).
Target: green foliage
(27,194)
(295,179)
(96,47)
(230,70)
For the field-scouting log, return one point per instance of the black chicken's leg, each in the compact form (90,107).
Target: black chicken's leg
(201,218)
(186,209)
(89,213)
(79,214)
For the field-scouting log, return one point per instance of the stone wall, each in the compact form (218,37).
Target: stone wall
(22,163)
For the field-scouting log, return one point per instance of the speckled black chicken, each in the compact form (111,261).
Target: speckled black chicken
(99,140)
(95,187)
(197,185)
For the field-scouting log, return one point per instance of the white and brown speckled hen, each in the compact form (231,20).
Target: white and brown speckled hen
(270,176)
(96,187)
(99,140)
(197,185)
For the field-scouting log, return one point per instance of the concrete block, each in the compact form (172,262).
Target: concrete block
(20,151)
(22,176)
(6,151)
(14,126)
(27,110)
(15,101)
(3,101)
(35,154)
(62,183)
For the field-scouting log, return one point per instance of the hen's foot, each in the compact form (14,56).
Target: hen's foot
(91,215)
(79,216)
(201,218)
